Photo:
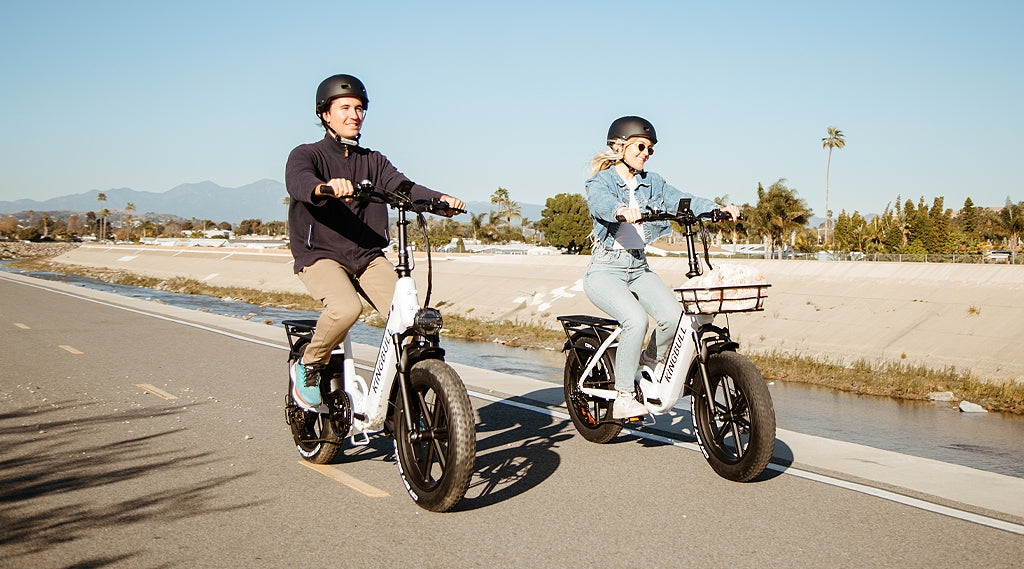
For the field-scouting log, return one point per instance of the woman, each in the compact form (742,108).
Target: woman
(618,279)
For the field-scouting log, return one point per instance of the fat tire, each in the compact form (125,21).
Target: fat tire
(592,416)
(436,469)
(313,433)
(751,413)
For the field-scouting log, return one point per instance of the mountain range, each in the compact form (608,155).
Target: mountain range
(262,200)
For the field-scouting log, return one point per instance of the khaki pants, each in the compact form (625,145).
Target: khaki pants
(340,293)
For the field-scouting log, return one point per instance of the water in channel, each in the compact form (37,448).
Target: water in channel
(986,441)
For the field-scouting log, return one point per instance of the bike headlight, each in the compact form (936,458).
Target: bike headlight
(427,322)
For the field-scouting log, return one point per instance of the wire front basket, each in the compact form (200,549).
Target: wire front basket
(719,299)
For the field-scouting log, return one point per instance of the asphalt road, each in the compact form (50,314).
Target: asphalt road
(134,435)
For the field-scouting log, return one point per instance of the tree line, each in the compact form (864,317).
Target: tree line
(779,220)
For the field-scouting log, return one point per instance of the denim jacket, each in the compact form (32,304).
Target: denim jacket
(607,191)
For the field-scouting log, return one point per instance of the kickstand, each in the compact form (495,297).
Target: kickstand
(357,442)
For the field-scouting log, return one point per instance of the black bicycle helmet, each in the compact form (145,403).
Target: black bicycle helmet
(339,86)
(624,128)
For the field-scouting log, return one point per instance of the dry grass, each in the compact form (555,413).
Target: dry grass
(894,379)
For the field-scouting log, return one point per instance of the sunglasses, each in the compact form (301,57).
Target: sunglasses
(640,146)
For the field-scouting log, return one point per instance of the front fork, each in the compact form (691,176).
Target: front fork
(708,340)
(410,352)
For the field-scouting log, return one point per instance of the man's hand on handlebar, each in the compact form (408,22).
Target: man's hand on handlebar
(455,205)
(335,188)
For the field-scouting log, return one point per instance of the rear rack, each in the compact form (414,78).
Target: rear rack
(298,330)
(723,299)
(595,324)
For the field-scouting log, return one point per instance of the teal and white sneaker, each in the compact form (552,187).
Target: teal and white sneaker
(306,385)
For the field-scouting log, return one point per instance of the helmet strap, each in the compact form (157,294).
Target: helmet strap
(341,139)
(632,171)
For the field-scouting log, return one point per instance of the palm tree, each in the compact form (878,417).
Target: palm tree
(285,203)
(1011,220)
(102,198)
(128,209)
(507,209)
(779,212)
(476,224)
(833,140)
(103,216)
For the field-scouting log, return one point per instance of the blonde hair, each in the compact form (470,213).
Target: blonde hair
(609,157)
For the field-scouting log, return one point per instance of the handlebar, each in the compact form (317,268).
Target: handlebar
(684,216)
(401,197)
(693,226)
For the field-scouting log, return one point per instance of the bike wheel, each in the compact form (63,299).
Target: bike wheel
(312,432)
(436,458)
(736,432)
(592,416)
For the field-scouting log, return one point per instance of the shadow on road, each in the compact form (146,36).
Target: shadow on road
(68,479)
(515,452)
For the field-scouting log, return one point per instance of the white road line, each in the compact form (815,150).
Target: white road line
(69,349)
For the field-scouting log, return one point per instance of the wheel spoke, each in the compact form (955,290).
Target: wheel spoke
(439,433)
(731,402)
(425,458)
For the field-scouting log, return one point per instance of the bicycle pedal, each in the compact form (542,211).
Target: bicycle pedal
(640,422)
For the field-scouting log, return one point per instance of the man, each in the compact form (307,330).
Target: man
(336,243)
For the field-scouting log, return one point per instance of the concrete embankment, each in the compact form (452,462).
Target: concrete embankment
(937,315)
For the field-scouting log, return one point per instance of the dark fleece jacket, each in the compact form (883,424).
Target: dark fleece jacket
(321,227)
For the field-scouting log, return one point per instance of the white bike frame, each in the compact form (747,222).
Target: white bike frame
(370,400)
(661,392)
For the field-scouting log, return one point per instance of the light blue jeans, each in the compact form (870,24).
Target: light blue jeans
(620,283)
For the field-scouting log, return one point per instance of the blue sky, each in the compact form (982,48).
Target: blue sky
(469,96)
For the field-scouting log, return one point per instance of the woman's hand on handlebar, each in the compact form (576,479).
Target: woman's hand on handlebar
(629,215)
(335,188)
(732,210)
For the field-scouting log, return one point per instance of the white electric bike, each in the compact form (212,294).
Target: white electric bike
(732,412)
(412,396)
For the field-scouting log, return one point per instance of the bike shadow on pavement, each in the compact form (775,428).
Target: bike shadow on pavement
(515,452)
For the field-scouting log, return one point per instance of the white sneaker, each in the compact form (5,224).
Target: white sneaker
(626,406)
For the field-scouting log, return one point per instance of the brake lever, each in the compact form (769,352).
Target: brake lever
(437,206)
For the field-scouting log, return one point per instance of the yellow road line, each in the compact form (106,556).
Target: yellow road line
(70,349)
(22,326)
(156,391)
(346,479)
